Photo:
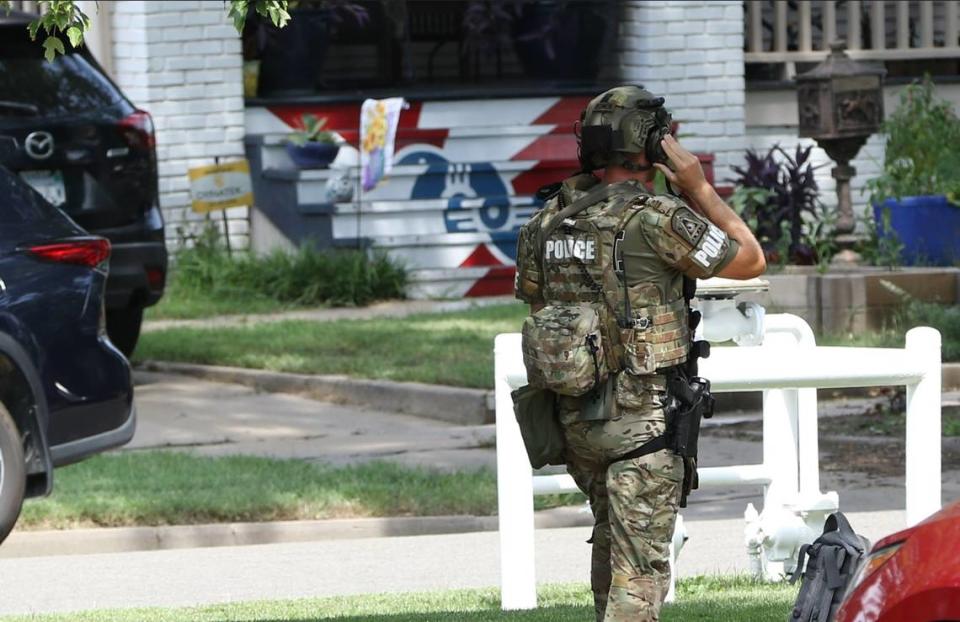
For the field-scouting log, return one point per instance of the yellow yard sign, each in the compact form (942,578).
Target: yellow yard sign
(220,186)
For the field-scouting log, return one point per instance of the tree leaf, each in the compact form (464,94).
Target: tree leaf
(52,45)
(75,35)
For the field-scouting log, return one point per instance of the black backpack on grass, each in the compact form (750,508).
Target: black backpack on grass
(832,561)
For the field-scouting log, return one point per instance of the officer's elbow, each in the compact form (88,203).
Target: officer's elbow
(748,263)
(759,264)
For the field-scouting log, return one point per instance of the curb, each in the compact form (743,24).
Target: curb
(461,406)
(107,540)
(457,405)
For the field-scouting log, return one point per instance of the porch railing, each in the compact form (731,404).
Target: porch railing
(27,6)
(782,32)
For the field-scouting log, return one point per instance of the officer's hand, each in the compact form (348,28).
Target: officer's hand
(687,174)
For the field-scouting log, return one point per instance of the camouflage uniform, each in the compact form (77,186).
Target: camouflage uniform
(635,501)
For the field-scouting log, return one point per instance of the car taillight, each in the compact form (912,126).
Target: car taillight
(81,251)
(137,130)
(872,562)
(156,278)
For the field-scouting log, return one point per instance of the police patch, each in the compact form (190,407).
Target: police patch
(567,247)
(711,248)
(686,224)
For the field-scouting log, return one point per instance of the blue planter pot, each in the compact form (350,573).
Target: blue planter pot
(312,155)
(928,227)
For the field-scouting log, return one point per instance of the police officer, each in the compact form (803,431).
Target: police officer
(615,249)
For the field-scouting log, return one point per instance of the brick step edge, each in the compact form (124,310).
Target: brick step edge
(457,405)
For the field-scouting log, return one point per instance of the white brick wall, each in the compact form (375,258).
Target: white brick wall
(181,62)
(691,53)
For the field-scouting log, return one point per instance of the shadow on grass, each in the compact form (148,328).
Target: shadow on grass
(543,614)
(703,611)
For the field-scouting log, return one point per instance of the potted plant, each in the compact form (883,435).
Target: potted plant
(778,196)
(915,198)
(311,146)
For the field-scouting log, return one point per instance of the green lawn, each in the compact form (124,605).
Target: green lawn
(699,600)
(451,348)
(183,303)
(171,488)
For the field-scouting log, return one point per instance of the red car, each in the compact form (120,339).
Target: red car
(911,576)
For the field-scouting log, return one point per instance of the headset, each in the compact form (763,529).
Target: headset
(597,143)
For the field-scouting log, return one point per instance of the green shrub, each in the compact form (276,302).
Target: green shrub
(304,277)
(921,157)
(944,317)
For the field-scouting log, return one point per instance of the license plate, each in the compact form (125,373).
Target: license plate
(49,184)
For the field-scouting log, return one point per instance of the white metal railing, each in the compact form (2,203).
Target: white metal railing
(777,33)
(787,368)
(27,6)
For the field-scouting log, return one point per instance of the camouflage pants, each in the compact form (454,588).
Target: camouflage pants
(634,502)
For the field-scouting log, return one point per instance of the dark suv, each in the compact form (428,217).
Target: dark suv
(65,390)
(87,150)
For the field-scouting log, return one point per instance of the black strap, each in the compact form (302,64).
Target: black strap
(798,571)
(600,192)
(651,446)
(839,523)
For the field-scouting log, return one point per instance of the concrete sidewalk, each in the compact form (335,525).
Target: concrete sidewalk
(216,419)
(339,567)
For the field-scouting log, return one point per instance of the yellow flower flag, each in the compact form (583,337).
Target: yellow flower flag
(378,129)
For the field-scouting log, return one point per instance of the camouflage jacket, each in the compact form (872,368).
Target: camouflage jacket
(627,253)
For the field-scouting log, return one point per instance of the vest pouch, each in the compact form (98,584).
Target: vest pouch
(638,354)
(562,349)
(542,434)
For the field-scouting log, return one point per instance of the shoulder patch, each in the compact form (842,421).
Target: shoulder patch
(664,207)
(686,224)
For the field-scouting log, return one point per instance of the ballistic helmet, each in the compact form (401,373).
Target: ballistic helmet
(625,119)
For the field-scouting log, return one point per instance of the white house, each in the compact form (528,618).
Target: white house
(490,119)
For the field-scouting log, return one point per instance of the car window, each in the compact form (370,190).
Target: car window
(31,86)
(19,203)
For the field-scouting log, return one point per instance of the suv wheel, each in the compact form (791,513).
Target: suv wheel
(123,328)
(13,479)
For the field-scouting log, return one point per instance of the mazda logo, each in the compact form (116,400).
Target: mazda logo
(39,145)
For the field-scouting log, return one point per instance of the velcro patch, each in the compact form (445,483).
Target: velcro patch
(568,247)
(688,226)
(664,207)
(711,248)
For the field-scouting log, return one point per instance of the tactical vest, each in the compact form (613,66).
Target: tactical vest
(583,262)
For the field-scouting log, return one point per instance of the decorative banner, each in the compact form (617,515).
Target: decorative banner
(220,186)
(378,129)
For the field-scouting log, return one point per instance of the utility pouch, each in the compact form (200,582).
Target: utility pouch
(536,412)
(562,349)
(601,403)
(638,358)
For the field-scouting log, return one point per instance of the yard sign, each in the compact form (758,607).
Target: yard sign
(219,186)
